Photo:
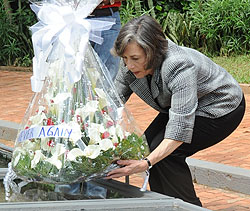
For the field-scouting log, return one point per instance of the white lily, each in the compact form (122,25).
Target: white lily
(44,144)
(92,151)
(55,161)
(106,144)
(93,75)
(60,97)
(38,156)
(112,132)
(119,131)
(100,93)
(90,108)
(58,150)
(94,132)
(18,152)
(30,145)
(103,97)
(76,132)
(39,117)
(74,153)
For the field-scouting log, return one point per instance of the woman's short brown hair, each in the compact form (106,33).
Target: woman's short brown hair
(148,34)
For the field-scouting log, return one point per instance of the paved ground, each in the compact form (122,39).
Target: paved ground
(15,95)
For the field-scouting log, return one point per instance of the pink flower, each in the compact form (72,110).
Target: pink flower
(109,124)
(105,135)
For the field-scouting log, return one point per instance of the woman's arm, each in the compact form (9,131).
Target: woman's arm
(166,147)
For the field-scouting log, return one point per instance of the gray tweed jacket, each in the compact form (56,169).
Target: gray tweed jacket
(188,83)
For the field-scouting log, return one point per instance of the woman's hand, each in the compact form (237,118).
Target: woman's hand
(129,167)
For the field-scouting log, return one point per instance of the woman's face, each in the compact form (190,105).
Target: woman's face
(135,59)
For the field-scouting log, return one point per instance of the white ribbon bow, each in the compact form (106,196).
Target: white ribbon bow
(71,28)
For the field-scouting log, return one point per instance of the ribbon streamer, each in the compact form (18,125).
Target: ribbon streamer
(69,26)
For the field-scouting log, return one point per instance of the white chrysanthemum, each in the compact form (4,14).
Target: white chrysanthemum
(38,156)
(106,144)
(74,153)
(92,151)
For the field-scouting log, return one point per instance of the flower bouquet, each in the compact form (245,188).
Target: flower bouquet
(76,126)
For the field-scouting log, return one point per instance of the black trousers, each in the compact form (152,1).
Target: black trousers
(171,176)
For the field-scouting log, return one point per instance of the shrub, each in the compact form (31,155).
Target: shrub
(15,37)
(223,25)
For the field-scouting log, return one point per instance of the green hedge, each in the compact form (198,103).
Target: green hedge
(223,25)
(15,38)
(215,27)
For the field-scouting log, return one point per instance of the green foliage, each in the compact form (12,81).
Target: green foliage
(215,27)
(179,29)
(15,37)
(223,25)
(124,150)
(131,9)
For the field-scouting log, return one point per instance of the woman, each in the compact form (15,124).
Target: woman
(199,104)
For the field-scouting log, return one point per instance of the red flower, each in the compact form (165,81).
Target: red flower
(115,144)
(105,135)
(84,126)
(50,121)
(51,143)
(79,118)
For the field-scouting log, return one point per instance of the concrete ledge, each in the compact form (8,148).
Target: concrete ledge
(203,172)
(220,176)
(131,204)
(8,130)
(135,200)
